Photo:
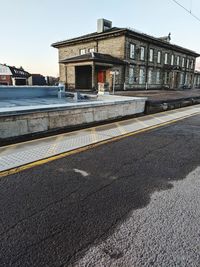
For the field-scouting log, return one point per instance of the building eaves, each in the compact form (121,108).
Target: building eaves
(88,37)
(94,57)
(159,41)
(127,32)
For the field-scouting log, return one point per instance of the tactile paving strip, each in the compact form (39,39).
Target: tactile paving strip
(20,154)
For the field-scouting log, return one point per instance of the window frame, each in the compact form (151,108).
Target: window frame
(132,51)
(151,55)
(159,57)
(142,48)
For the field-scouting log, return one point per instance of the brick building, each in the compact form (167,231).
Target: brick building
(141,61)
(5,75)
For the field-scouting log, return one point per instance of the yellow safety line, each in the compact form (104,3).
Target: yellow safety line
(87,147)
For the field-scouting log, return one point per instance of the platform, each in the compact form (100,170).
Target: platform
(20,154)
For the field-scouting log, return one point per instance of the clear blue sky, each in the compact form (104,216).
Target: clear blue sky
(28,27)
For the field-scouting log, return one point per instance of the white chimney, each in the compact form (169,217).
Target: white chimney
(103,25)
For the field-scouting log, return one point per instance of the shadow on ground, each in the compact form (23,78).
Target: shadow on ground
(50,215)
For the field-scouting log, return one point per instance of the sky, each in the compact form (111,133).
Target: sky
(29,27)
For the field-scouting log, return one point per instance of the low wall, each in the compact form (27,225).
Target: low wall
(43,121)
(20,92)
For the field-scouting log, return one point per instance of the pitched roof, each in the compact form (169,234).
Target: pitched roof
(20,73)
(128,32)
(95,57)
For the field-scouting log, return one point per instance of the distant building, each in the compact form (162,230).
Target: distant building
(37,79)
(10,75)
(5,75)
(140,60)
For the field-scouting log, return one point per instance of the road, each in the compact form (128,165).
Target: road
(133,202)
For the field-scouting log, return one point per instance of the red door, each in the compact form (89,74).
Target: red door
(101,76)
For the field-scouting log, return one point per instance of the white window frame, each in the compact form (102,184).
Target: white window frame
(91,50)
(166,58)
(183,62)
(150,76)
(178,60)
(141,76)
(131,74)
(82,51)
(132,51)
(187,64)
(172,60)
(192,64)
(142,53)
(159,57)
(158,77)
(151,54)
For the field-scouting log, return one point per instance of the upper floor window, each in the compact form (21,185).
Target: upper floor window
(82,51)
(142,51)
(187,64)
(166,58)
(132,51)
(151,55)
(172,60)
(91,50)
(159,57)
(192,64)
(183,62)
(178,61)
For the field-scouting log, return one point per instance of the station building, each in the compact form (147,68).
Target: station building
(140,61)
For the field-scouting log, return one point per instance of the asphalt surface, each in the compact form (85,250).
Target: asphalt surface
(134,202)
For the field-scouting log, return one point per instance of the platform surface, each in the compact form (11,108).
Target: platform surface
(16,155)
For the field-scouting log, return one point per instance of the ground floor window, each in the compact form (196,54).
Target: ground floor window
(166,79)
(131,75)
(150,76)
(181,79)
(141,76)
(158,77)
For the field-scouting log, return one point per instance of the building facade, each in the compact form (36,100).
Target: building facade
(140,61)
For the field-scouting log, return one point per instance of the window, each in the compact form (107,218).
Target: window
(172,60)
(183,62)
(159,57)
(166,81)
(150,76)
(131,75)
(91,50)
(151,55)
(178,61)
(166,58)
(82,51)
(157,77)
(142,51)
(3,77)
(187,64)
(141,77)
(132,51)
(182,79)
(192,65)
